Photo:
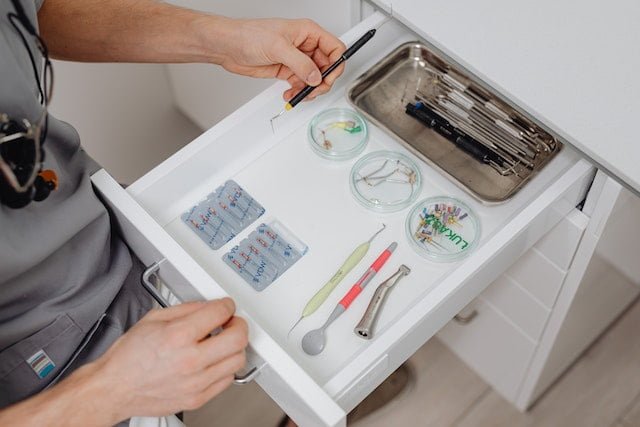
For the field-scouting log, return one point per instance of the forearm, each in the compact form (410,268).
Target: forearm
(81,400)
(129,31)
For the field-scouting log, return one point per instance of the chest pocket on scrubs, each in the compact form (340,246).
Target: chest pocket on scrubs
(31,364)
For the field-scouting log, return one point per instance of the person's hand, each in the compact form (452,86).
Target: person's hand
(295,50)
(167,362)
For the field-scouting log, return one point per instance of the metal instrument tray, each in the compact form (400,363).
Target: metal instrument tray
(414,72)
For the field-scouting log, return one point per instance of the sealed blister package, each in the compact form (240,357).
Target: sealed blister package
(223,214)
(265,254)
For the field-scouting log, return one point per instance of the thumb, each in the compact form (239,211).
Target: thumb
(301,65)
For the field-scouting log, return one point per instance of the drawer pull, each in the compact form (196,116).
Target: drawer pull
(147,275)
(248,377)
(465,320)
(147,281)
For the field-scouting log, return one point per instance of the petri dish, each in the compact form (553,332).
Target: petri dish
(338,134)
(443,229)
(385,181)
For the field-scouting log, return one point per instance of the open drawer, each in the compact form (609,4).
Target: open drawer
(311,197)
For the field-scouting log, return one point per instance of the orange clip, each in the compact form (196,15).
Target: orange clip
(49,176)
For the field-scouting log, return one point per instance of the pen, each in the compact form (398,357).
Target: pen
(308,89)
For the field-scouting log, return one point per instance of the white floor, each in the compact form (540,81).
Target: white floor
(601,390)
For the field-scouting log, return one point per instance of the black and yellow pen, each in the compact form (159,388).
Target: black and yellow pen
(308,89)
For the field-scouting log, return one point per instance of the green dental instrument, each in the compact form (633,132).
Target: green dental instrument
(352,260)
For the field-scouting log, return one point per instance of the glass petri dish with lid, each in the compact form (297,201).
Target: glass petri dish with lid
(385,181)
(338,134)
(442,229)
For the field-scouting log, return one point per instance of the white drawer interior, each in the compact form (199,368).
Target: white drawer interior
(311,197)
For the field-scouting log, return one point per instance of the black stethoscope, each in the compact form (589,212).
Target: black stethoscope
(22,178)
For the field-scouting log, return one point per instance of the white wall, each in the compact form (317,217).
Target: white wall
(124,113)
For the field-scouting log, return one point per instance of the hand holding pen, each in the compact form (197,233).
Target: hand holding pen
(295,50)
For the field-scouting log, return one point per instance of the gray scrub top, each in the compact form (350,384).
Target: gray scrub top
(61,267)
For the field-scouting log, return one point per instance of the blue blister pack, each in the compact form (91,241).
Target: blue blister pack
(265,255)
(223,214)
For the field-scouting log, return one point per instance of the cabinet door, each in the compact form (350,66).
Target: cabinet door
(208,93)
(492,346)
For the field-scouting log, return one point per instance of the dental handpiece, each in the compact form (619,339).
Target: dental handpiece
(364,329)
(314,341)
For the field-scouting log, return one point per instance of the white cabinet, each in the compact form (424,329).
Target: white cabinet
(545,310)
(312,198)
(510,316)
(602,281)
(207,93)
(492,346)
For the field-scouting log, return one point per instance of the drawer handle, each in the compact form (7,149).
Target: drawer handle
(248,377)
(152,271)
(465,320)
(147,274)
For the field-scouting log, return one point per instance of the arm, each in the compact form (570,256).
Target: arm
(166,363)
(150,31)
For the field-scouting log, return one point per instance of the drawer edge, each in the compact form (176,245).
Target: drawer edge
(146,238)
(414,327)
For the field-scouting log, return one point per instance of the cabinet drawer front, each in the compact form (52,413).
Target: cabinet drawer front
(279,375)
(508,298)
(560,244)
(401,336)
(539,276)
(493,347)
(149,242)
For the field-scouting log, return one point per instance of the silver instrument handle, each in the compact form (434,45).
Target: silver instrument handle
(364,329)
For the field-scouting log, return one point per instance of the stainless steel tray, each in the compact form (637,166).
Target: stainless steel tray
(414,73)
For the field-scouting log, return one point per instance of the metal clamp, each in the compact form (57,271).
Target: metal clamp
(465,320)
(146,280)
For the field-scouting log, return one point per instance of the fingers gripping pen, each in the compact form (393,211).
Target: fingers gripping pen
(346,55)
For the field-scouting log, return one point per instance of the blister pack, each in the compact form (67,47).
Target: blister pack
(223,214)
(265,255)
